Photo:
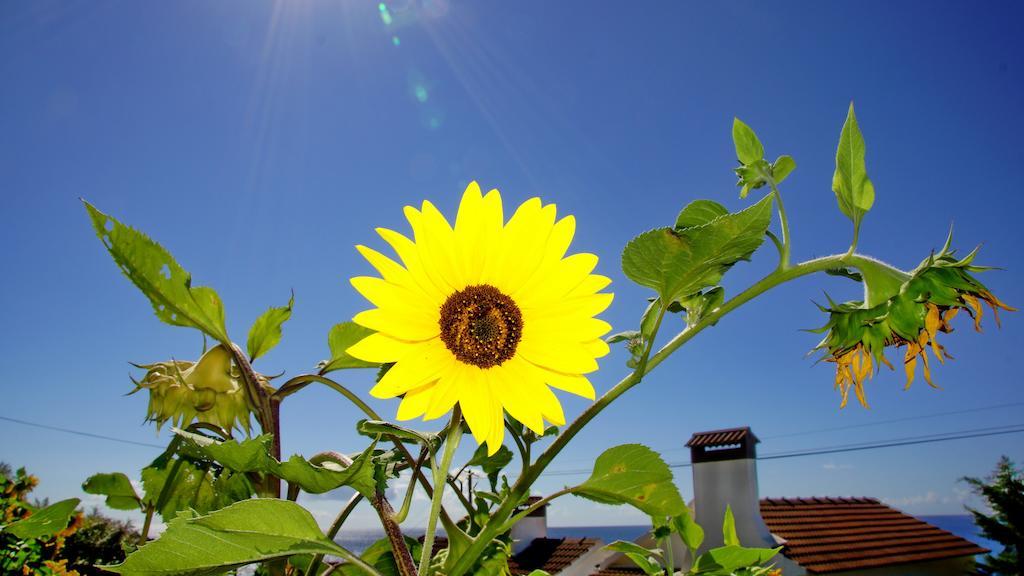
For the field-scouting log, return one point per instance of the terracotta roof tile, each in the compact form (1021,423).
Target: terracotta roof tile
(551,555)
(834,534)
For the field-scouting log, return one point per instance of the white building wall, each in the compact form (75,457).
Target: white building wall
(732,483)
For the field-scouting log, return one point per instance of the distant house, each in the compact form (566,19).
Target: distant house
(840,536)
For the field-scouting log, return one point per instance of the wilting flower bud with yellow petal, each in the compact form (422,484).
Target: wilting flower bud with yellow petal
(210,390)
(902,310)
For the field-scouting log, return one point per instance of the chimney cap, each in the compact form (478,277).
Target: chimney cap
(723,437)
(726,444)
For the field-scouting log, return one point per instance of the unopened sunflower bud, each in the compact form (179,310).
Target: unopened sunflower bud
(210,390)
(907,313)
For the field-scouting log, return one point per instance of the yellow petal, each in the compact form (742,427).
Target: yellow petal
(422,365)
(591,285)
(475,401)
(572,329)
(506,383)
(409,254)
(551,257)
(436,240)
(567,357)
(573,383)
(415,402)
(522,245)
(396,299)
(569,273)
(396,274)
(413,328)
(380,348)
(447,392)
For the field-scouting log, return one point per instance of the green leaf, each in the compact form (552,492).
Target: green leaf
(699,212)
(748,147)
(689,531)
(491,465)
(374,428)
(854,191)
(116,487)
(154,271)
(782,167)
(250,455)
(727,559)
(266,331)
(729,536)
(633,474)
(625,336)
(313,477)
(191,488)
(341,337)
(45,522)
(642,557)
(243,533)
(677,263)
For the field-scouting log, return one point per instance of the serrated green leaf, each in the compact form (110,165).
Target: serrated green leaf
(854,191)
(689,531)
(782,167)
(727,559)
(699,212)
(243,533)
(677,263)
(729,536)
(625,336)
(633,474)
(646,560)
(116,487)
(266,331)
(748,146)
(341,337)
(154,271)
(45,522)
(314,477)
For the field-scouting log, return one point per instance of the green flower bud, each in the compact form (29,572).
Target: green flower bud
(210,390)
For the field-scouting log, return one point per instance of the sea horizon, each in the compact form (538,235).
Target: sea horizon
(960,524)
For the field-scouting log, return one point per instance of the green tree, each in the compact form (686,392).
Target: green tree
(1003,490)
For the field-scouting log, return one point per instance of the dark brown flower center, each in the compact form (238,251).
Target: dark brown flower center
(481,326)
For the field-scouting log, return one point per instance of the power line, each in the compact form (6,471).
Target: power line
(80,433)
(851,426)
(943,437)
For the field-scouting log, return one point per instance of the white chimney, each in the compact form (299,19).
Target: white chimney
(725,473)
(532,526)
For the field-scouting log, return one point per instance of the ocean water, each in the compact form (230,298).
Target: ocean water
(359,540)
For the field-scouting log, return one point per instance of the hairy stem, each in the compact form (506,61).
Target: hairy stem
(403,558)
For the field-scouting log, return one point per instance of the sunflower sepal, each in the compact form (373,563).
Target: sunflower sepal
(907,314)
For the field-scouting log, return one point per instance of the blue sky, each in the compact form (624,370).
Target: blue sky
(260,141)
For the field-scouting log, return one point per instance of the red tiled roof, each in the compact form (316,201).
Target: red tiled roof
(720,437)
(835,534)
(551,555)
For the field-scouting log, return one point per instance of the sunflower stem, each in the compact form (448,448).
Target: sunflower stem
(784,250)
(440,480)
(314,565)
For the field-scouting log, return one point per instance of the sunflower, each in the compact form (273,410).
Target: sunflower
(917,307)
(487,314)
